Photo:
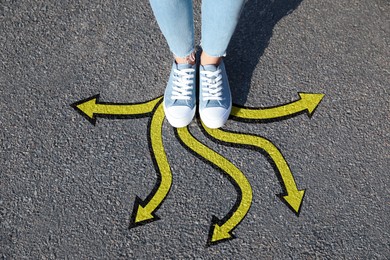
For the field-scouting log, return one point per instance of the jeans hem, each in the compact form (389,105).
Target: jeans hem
(212,54)
(186,56)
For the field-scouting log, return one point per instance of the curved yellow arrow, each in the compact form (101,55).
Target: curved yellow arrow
(222,229)
(307,102)
(294,197)
(144,211)
(91,107)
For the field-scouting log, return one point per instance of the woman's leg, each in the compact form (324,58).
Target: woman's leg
(219,20)
(175,19)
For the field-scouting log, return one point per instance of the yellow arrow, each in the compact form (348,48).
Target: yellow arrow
(307,102)
(294,197)
(144,210)
(221,230)
(91,107)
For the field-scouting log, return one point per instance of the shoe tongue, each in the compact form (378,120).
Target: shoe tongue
(183,66)
(210,67)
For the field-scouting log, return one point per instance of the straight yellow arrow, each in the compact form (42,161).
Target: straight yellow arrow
(308,102)
(221,229)
(144,210)
(294,197)
(91,107)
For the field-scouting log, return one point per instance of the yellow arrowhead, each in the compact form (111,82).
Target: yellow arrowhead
(294,199)
(88,107)
(310,101)
(220,233)
(143,214)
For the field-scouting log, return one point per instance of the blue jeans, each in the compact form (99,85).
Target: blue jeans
(219,20)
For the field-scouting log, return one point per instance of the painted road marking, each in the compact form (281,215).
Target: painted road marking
(91,107)
(293,197)
(144,211)
(222,229)
(308,102)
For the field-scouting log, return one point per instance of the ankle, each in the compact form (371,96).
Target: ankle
(206,59)
(190,59)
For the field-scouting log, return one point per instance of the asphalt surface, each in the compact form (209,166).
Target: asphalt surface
(68,187)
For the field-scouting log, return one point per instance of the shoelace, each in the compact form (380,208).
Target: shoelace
(183,84)
(211,85)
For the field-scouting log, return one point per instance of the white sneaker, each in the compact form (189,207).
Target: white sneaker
(180,96)
(215,101)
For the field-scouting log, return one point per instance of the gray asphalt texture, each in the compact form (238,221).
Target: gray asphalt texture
(68,187)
